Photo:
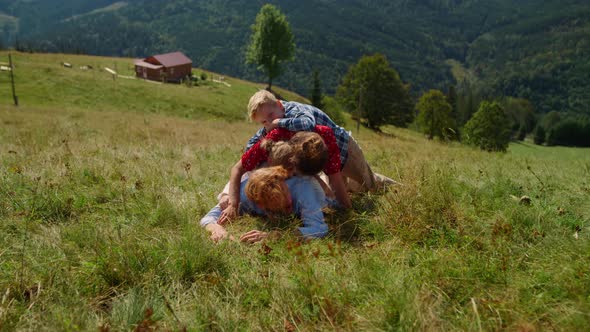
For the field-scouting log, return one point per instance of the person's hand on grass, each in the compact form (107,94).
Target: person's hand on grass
(253,236)
(218,233)
(228,214)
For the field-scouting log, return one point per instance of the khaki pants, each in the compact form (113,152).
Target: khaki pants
(357,174)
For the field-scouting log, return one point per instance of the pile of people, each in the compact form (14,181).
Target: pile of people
(299,162)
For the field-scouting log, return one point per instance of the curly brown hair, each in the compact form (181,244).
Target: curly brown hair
(280,153)
(266,187)
(311,153)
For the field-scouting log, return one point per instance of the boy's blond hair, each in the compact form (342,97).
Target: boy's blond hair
(266,188)
(258,99)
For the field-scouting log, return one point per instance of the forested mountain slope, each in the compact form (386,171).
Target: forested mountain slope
(532,49)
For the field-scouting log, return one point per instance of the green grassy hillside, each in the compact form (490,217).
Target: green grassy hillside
(101,193)
(43,82)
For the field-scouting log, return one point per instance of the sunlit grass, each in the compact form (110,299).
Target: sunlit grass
(99,211)
(43,82)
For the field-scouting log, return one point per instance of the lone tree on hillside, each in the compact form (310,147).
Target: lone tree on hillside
(374,92)
(435,115)
(489,128)
(316,91)
(271,42)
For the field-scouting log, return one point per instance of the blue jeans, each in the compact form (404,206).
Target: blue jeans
(211,217)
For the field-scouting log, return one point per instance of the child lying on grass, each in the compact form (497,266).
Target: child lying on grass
(258,155)
(307,159)
(272,191)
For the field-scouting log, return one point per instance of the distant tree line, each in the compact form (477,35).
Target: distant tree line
(531,50)
(558,129)
(491,122)
(374,94)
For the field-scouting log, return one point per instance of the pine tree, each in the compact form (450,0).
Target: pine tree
(521,132)
(452,100)
(316,91)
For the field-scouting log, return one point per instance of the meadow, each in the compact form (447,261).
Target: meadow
(102,184)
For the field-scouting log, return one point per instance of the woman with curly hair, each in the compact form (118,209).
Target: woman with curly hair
(286,189)
(273,191)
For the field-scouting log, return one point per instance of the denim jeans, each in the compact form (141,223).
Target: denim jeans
(211,217)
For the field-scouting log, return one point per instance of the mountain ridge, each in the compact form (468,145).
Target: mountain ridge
(417,37)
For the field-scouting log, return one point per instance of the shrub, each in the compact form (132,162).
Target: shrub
(539,135)
(334,110)
(434,115)
(522,131)
(521,114)
(375,89)
(551,119)
(570,132)
(187,81)
(489,128)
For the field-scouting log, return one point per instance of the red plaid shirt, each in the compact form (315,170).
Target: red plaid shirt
(257,155)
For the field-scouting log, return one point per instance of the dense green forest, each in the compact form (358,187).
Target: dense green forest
(532,49)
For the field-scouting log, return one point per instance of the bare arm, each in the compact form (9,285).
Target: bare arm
(337,184)
(231,211)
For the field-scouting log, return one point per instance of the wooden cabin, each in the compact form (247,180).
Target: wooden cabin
(169,67)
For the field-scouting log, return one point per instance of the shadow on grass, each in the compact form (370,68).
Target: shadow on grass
(344,224)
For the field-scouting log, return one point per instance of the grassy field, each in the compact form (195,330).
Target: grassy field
(102,184)
(44,83)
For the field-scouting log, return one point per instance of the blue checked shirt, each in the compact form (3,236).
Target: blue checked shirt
(302,117)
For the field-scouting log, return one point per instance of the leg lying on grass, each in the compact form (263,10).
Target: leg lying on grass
(360,177)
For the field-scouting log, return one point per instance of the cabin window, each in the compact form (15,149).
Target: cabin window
(171,71)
